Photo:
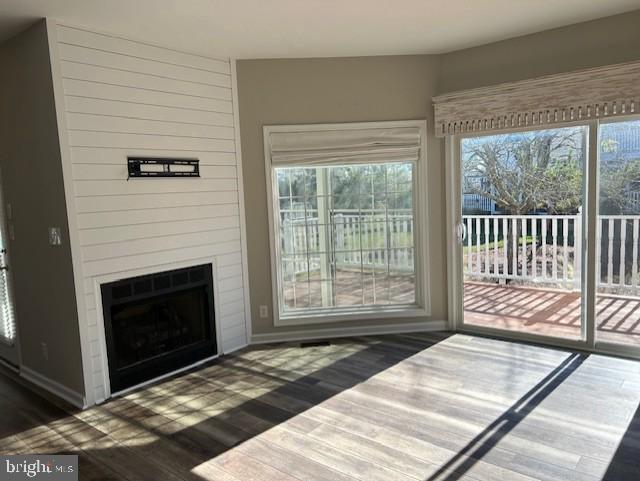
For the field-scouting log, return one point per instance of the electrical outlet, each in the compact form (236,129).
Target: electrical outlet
(264,311)
(45,350)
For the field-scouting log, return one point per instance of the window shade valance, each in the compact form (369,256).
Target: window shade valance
(582,95)
(349,145)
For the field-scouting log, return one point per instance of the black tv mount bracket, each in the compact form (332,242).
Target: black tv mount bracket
(154,167)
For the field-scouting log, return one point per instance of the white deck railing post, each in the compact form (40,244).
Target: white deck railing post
(577,251)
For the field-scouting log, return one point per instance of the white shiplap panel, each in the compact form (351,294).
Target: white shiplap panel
(115,44)
(101,236)
(152,186)
(119,172)
(230,344)
(125,99)
(158,244)
(232,295)
(95,155)
(92,317)
(95,348)
(231,308)
(124,264)
(96,365)
(120,108)
(229,271)
(102,220)
(229,260)
(106,140)
(233,331)
(90,300)
(96,90)
(104,123)
(166,266)
(106,203)
(104,75)
(230,284)
(234,319)
(127,63)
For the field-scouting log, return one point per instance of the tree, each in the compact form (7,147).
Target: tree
(527,171)
(523,172)
(619,173)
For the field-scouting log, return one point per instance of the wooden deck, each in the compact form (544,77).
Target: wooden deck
(404,408)
(551,312)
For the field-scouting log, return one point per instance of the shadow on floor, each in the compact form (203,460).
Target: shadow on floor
(164,431)
(479,446)
(624,464)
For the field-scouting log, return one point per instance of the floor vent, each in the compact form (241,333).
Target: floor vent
(315,343)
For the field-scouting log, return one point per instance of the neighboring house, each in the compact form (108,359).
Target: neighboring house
(473,203)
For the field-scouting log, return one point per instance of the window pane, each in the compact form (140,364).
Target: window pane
(618,234)
(346,235)
(522,198)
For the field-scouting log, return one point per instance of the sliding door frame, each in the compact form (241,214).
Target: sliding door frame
(454,247)
(607,347)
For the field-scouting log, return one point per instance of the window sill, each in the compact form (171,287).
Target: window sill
(321,316)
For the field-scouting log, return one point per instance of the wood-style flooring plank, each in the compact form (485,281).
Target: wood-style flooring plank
(406,407)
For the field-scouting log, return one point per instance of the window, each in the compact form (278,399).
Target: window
(345,236)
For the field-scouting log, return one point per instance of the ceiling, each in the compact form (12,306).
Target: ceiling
(311,28)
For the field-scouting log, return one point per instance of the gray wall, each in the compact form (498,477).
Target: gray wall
(32,182)
(323,91)
(398,87)
(600,42)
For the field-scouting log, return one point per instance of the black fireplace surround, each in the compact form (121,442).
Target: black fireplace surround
(158,323)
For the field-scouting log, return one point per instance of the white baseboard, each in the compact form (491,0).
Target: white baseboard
(72,397)
(425,326)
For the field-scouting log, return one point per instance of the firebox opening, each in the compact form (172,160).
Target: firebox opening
(157,324)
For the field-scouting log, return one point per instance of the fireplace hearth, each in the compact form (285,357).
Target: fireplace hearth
(158,323)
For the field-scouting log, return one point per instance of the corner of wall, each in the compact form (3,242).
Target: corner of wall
(74,241)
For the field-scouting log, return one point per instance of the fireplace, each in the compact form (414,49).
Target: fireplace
(158,323)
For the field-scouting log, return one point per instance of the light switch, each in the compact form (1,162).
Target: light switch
(55,236)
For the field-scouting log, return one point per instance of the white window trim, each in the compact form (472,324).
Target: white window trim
(422,307)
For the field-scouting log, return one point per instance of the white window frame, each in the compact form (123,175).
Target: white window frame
(422,306)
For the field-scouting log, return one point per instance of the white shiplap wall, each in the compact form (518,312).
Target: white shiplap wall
(124,98)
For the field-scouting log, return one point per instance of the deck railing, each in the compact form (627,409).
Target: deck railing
(525,247)
(548,249)
(534,248)
(358,238)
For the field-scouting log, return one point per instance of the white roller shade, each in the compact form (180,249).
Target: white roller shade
(345,146)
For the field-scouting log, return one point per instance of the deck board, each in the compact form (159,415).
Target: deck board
(550,312)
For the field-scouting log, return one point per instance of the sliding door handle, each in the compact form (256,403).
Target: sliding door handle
(461,232)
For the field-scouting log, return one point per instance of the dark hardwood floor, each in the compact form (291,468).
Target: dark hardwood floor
(405,407)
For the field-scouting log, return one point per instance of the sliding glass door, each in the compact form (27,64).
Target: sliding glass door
(547,242)
(618,234)
(521,199)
